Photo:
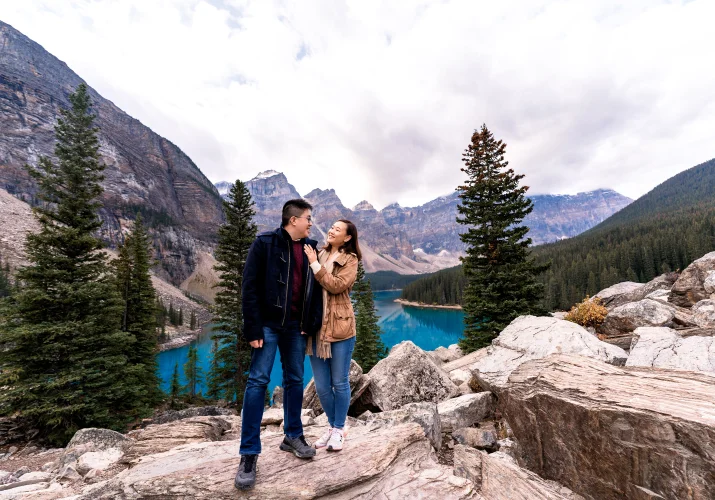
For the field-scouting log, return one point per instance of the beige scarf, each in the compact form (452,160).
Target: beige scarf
(324,352)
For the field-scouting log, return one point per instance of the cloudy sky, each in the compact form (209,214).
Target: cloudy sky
(379,99)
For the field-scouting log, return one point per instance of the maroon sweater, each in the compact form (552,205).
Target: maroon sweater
(297,288)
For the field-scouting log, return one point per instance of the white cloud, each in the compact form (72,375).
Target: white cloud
(379,99)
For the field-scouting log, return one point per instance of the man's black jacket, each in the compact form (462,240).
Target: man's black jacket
(266,286)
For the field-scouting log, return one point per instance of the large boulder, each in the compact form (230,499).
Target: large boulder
(157,438)
(616,295)
(499,477)
(406,375)
(709,283)
(647,312)
(447,354)
(465,411)
(704,313)
(690,287)
(532,337)
(614,432)
(386,462)
(425,414)
(666,348)
(358,384)
(92,440)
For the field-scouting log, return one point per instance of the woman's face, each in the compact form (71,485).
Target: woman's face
(338,235)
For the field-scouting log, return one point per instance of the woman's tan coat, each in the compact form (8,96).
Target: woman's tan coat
(339,318)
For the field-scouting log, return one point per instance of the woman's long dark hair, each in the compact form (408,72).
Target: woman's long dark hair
(350,246)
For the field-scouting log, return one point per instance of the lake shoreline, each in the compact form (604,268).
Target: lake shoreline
(426,306)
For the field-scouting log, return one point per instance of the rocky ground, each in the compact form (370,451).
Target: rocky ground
(549,411)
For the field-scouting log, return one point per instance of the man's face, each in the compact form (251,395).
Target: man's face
(303,224)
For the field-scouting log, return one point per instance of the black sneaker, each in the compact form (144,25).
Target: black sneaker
(298,446)
(246,475)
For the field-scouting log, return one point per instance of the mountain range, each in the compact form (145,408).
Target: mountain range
(414,240)
(148,173)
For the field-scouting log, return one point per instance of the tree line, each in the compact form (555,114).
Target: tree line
(663,231)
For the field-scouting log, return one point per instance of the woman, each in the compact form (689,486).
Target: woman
(335,268)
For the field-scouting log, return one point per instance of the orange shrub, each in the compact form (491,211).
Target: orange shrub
(589,312)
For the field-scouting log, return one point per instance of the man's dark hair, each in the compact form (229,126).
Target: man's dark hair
(294,208)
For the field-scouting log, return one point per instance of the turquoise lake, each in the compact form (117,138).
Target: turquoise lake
(427,328)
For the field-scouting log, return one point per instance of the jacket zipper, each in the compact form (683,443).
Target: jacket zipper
(285,308)
(305,297)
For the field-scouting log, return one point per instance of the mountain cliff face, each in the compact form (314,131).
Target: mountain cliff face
(424,238)
(144,170)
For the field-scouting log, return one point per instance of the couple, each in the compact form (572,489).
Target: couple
(297,299)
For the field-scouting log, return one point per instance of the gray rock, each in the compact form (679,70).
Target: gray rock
(617,294)
(99,460)
(465,411)
(445,355)
(68,473)
(531,337)
(498,477)
(661,295)
(425,414)
(704,313)
(407,375)
(709,283)
(199,411)
(477,437)
(37,475)
(278,397)
(690,287)
(460,376)
(665,348)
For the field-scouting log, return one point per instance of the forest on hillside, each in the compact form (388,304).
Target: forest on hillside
(665,230)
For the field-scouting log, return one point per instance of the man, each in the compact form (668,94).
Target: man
(280,310)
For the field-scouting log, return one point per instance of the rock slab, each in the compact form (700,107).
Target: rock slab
(614,432)
(531,337)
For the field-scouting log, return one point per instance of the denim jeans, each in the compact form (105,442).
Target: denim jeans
(332,381)
(292,346)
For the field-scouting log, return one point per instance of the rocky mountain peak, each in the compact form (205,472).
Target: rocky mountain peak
(267,174)
(363,205)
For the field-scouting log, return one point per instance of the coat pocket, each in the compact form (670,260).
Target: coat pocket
(343,322)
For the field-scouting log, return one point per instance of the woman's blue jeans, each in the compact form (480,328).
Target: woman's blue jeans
(332,382)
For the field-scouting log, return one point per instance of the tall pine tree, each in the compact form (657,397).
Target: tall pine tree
(139,315)
(369,348)
(500,274)
(192,372)
(234,239)
(64,358)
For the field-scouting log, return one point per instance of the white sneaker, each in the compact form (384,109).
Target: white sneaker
(335,443)
(323,441)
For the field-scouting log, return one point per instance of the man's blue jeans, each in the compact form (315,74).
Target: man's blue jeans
(292,345)
(332,380)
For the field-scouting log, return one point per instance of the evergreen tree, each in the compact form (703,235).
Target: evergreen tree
(138,318)
(5,282)
(175,387)
(192,321)
(369,348)
(500,274)
(180,321)
(193,372)
(234,239)
(213,391)
(172,314)
(64,359)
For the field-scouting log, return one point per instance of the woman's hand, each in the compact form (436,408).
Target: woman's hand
(312,256)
